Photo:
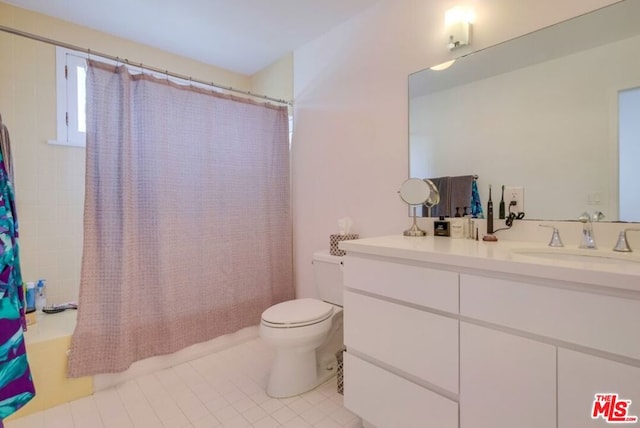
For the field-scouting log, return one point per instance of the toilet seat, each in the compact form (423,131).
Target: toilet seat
(297,313)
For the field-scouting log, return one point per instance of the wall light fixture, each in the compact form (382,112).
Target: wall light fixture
(458,27)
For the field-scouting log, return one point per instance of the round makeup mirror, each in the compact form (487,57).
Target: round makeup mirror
(416,191)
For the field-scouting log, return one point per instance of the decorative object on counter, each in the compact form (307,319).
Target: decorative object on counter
(501,210)
(344,224)
(414,192)
(489,237)
(555,236)
(597,216)
(587,240)
(623,245)
(441,227)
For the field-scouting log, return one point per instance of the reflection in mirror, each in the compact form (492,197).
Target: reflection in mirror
(544,112)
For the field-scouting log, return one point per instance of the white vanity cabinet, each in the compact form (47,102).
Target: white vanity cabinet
(458,334)
(582,376)
(506,381)
(401,365)
(387,400)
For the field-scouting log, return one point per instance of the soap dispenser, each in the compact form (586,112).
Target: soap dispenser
(41,299)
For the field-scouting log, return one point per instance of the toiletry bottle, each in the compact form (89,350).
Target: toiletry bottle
(457,228)
(441,227)
(41,299)
(30,297)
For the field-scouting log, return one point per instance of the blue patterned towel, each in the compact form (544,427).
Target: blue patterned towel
(476,204)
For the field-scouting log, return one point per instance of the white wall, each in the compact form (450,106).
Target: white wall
(350,145)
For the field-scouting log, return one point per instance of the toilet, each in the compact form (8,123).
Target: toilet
(306,333)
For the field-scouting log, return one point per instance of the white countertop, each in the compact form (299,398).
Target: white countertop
(610,269)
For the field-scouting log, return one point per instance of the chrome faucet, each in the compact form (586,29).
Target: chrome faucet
(588,241)
(555,237)
(622,245)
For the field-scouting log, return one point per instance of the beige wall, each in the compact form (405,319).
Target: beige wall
(350,142)
(49,178)
(276,79)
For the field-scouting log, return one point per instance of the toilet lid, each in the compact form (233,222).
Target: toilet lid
(300,311)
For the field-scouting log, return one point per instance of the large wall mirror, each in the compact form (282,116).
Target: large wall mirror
(556,111)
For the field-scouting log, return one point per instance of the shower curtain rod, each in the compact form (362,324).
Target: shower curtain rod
(138,64)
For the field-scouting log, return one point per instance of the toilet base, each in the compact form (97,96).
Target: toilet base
(301,368)
(294,373)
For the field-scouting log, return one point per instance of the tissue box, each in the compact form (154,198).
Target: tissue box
(335,239)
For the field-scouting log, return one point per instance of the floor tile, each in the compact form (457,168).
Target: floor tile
(221,390)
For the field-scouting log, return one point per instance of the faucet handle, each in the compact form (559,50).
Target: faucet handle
(622,245)
(584,217)
(555,236)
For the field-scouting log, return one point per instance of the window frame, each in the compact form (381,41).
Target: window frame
(67,107)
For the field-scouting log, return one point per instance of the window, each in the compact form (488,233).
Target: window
(71,74)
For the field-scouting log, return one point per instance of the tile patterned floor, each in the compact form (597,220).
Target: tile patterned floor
(225,389)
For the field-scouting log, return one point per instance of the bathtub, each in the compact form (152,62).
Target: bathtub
(47,343)
(49,339)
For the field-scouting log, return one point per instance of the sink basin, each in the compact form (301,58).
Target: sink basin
(578,255)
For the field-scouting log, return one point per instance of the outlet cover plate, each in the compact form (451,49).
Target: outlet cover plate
(514,193)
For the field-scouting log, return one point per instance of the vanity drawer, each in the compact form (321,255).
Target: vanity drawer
(409,283)
(601,322)
(389,401)
(419,343)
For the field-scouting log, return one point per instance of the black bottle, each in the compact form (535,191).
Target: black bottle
(441,227)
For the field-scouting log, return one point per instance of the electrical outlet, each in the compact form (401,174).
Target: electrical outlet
(513,193)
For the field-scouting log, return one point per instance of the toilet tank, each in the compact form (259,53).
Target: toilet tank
(327,272)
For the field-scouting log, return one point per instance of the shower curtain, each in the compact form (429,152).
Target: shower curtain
(16,384)
(187,224)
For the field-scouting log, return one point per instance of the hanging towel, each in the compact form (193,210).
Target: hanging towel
(476,204)
(443,208)
(461,194)
(16,384)
(5,147)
